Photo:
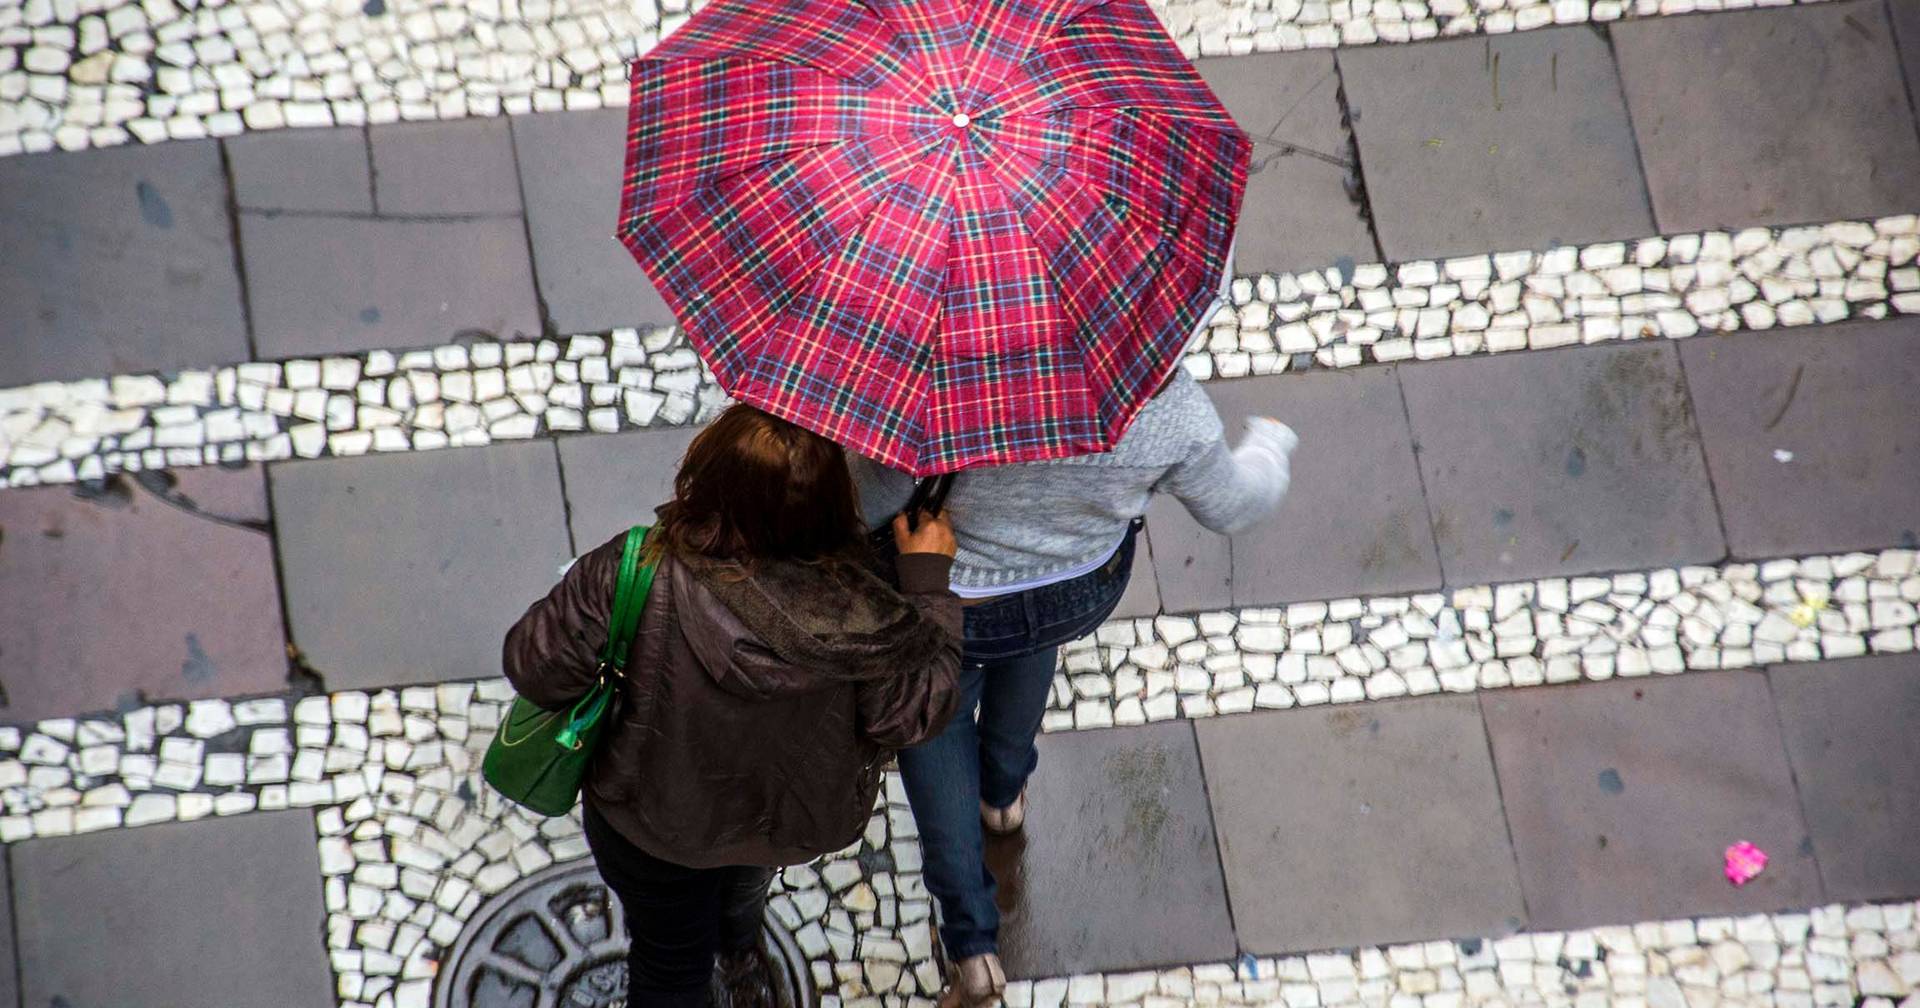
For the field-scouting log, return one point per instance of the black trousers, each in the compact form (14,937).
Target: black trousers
(677,917)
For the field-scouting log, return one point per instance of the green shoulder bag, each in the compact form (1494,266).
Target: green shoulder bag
(539,757)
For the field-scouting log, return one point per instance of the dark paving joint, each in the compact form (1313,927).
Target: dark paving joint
(117,260)
(1360,825)
(1502,142)
(1809,435)
(1850,733)
(302,170)
(456,167)
(1906,31)
(1771,117)
(147,587)
(1623,796)
(588,281)
(410,568)
(1302,208)
(613,483)
(217,912)
(1552,463)
(1117,868)
(396,236)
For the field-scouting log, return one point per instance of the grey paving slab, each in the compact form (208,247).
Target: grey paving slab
(117,260)
(1842,401)
(313,170)
(323,285)
(111,595)
(1124,803)
(1353,521)
(216,912)
(1906,36)
(1297,213)
(410,568)
(571,163)
(1192,567)
(1315,808)
(457,166)
(1849,728)
(614,481)
(1501,142)
(1774,116)
(1573,460)
(1623,796)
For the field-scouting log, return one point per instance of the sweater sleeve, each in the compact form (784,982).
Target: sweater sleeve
(1228,491)
(883,491)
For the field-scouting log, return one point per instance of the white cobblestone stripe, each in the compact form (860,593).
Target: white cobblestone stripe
(412,842)
(1668,287)
(1526,633)
(189,760)
(92,73)
(1831,955)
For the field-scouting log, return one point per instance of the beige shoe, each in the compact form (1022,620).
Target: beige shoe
(1005,821)
(977,982)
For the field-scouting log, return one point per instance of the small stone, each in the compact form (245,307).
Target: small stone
(1417,274)
(1553,335)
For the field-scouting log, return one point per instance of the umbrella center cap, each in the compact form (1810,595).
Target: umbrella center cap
(962,120)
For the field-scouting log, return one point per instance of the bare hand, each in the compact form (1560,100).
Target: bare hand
(934,535)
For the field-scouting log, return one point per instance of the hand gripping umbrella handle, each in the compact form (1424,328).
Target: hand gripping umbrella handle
(929,495)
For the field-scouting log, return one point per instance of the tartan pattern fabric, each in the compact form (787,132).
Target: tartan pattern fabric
(937,296)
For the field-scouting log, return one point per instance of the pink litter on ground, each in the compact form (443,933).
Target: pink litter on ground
(1744,861)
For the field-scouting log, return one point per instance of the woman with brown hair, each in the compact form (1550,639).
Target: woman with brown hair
(772,675)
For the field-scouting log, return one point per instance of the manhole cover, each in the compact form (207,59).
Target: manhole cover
(556,939)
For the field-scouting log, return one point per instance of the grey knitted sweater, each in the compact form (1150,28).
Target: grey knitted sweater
(1033,522)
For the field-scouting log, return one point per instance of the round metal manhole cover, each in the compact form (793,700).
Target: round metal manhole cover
(556,939)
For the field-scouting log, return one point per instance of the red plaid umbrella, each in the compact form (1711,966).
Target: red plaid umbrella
(945,233)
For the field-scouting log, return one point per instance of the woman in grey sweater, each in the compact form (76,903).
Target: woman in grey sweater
(1045,550)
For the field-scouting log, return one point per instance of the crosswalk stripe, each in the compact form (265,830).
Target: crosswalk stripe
(187,760)
(465,394)
(146,72)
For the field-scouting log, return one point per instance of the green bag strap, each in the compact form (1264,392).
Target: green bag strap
(629,598)
(583,715)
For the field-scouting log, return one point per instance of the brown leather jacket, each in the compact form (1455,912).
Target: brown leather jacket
(757,711)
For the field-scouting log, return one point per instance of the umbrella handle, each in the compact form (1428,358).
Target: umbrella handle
(928,495)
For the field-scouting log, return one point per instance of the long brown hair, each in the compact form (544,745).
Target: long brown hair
(754,486)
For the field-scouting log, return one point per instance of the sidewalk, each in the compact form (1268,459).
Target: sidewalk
(1603,553)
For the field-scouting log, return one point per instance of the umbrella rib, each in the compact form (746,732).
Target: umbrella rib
(734,55)
(1084,181)
(1172,122)
(1169,113)
(904,44)
(780,313)
(790,154)
(1152,238)
(1066,306)
(866,90)
(710,184)
(1029,55)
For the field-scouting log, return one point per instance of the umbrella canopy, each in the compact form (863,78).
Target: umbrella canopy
(944,233)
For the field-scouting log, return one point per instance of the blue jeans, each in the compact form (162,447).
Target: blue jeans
(1012,644)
